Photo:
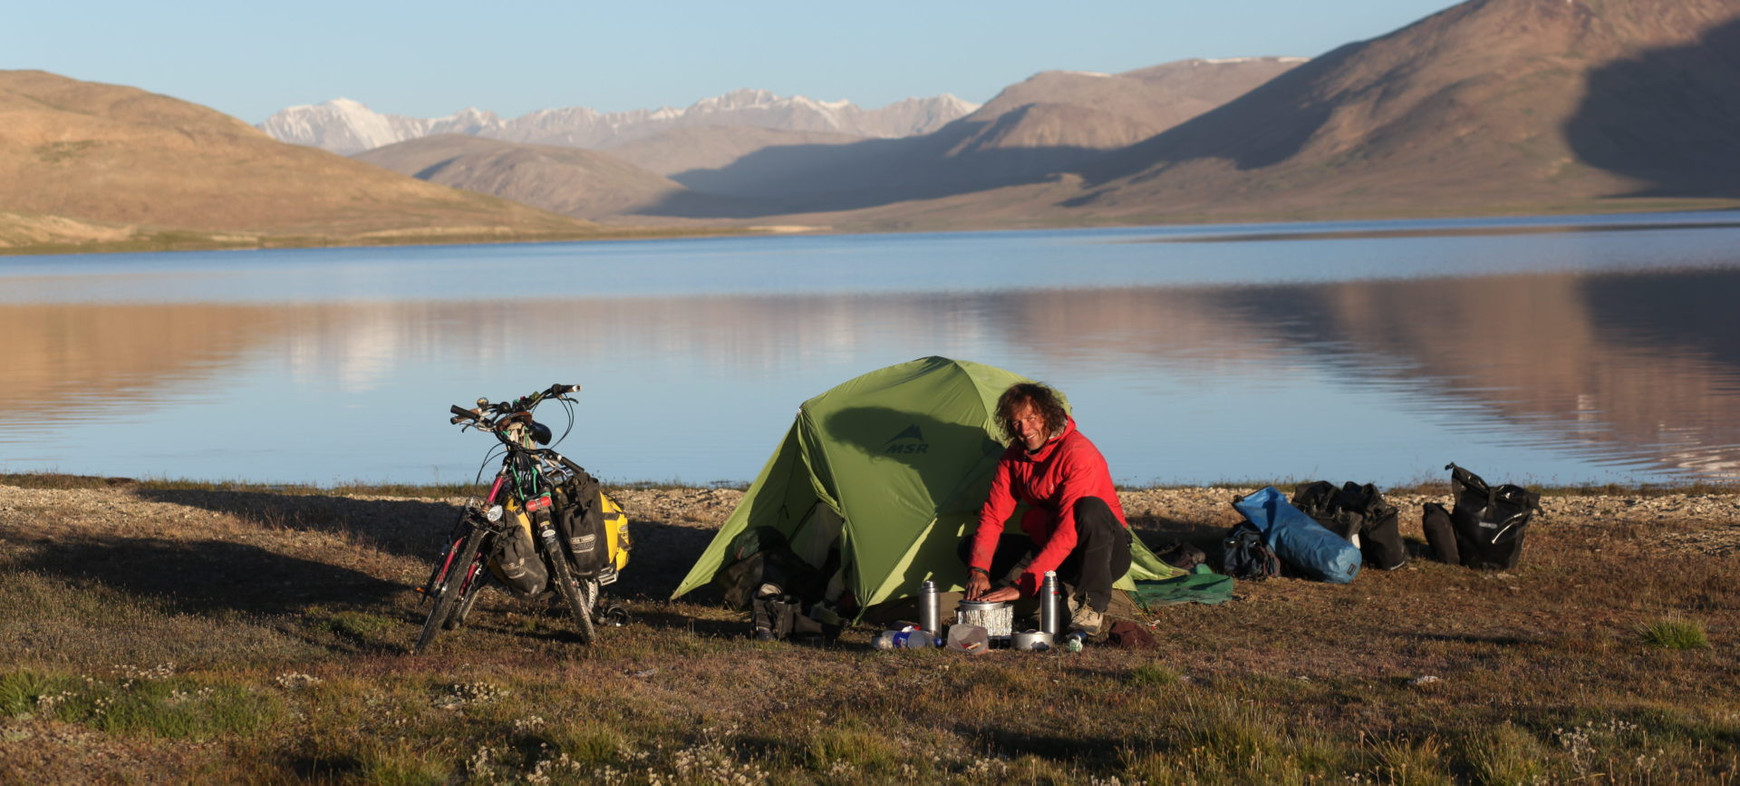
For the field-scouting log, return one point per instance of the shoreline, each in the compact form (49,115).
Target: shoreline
(59,480)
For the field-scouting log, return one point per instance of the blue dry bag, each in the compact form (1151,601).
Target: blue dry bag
(1298,540)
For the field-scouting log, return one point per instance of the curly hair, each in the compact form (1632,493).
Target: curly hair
(1042,398)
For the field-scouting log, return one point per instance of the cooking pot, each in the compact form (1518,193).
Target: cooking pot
(998,619)
(1031,641)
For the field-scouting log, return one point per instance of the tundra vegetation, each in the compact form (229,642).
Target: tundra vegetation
(225,632)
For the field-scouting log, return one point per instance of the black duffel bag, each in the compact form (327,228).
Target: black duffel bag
(1489,521)
(1356,511)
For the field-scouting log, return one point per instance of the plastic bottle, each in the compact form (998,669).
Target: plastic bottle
(908,637)
(929,608)
(1049,612)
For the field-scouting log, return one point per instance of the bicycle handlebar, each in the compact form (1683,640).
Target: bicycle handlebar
(520,407)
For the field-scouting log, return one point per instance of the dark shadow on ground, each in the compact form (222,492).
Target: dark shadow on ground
(402,527)
(661,557)
(1091,753)
(208,576)
(668,620)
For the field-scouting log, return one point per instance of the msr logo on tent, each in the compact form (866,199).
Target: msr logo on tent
(909,441)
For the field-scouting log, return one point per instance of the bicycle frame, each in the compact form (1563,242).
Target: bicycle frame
(522,488)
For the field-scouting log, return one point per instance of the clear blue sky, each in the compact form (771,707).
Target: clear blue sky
(429,59)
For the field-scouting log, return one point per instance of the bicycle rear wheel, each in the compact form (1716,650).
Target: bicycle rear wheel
(456,580)
(579,600)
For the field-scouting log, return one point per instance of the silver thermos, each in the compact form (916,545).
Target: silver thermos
(929,609)
(1050,605)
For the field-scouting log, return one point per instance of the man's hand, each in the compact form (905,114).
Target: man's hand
(977,584)
(998,596)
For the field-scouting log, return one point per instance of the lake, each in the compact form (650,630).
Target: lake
(1550,350)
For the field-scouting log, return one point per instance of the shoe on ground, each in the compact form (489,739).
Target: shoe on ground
(1086,620)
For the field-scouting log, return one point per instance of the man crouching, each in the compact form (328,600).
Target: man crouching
(1074,523)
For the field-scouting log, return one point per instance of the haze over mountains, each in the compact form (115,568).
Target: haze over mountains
(345,126)
(1491,106)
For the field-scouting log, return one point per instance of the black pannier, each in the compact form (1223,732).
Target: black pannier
(1359,514)
(580,523)
(516,563)
(1489,521)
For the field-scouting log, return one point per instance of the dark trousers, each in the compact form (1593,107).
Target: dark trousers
(1101,555)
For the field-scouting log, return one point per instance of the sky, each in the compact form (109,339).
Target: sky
(433,58)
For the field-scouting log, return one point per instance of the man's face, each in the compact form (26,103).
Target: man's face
(1030,426)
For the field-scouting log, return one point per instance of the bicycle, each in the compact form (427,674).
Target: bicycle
(543,528)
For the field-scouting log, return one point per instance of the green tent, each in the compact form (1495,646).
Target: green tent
(891,468)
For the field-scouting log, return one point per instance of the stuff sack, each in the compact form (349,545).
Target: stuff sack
(759,563)
(1440,533)
(1490,521)
(516,563)
(1245,555)
(1359,514)
(1299,540)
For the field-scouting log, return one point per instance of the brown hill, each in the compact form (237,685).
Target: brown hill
(1489,104)
(567,180)
(1105,111)
(1056,121)
(696,148)
(78,159)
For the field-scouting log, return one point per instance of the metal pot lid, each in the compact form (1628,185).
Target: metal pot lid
(979,605)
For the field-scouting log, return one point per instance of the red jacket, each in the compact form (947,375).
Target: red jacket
(1049,482)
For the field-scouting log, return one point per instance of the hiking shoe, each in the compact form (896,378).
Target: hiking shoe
(1086,620)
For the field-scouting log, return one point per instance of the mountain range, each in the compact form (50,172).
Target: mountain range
(347,127)
(1490,106)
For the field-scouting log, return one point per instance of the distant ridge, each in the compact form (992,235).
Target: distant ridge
(346,127)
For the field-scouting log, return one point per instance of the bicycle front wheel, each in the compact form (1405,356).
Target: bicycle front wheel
(579,600)
(458,578)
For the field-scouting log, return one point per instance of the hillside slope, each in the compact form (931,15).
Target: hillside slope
(566,180)
(84,155)
(1488,103)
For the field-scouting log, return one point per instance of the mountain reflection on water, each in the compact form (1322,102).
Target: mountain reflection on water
(1635,372)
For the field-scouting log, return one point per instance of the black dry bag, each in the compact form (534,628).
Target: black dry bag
(1356,511)
(1489,521)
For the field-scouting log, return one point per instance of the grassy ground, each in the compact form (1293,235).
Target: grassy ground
(187,632)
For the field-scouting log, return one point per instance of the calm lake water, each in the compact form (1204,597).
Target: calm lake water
(1564,350)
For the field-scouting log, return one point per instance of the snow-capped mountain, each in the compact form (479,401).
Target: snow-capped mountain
(345,126)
